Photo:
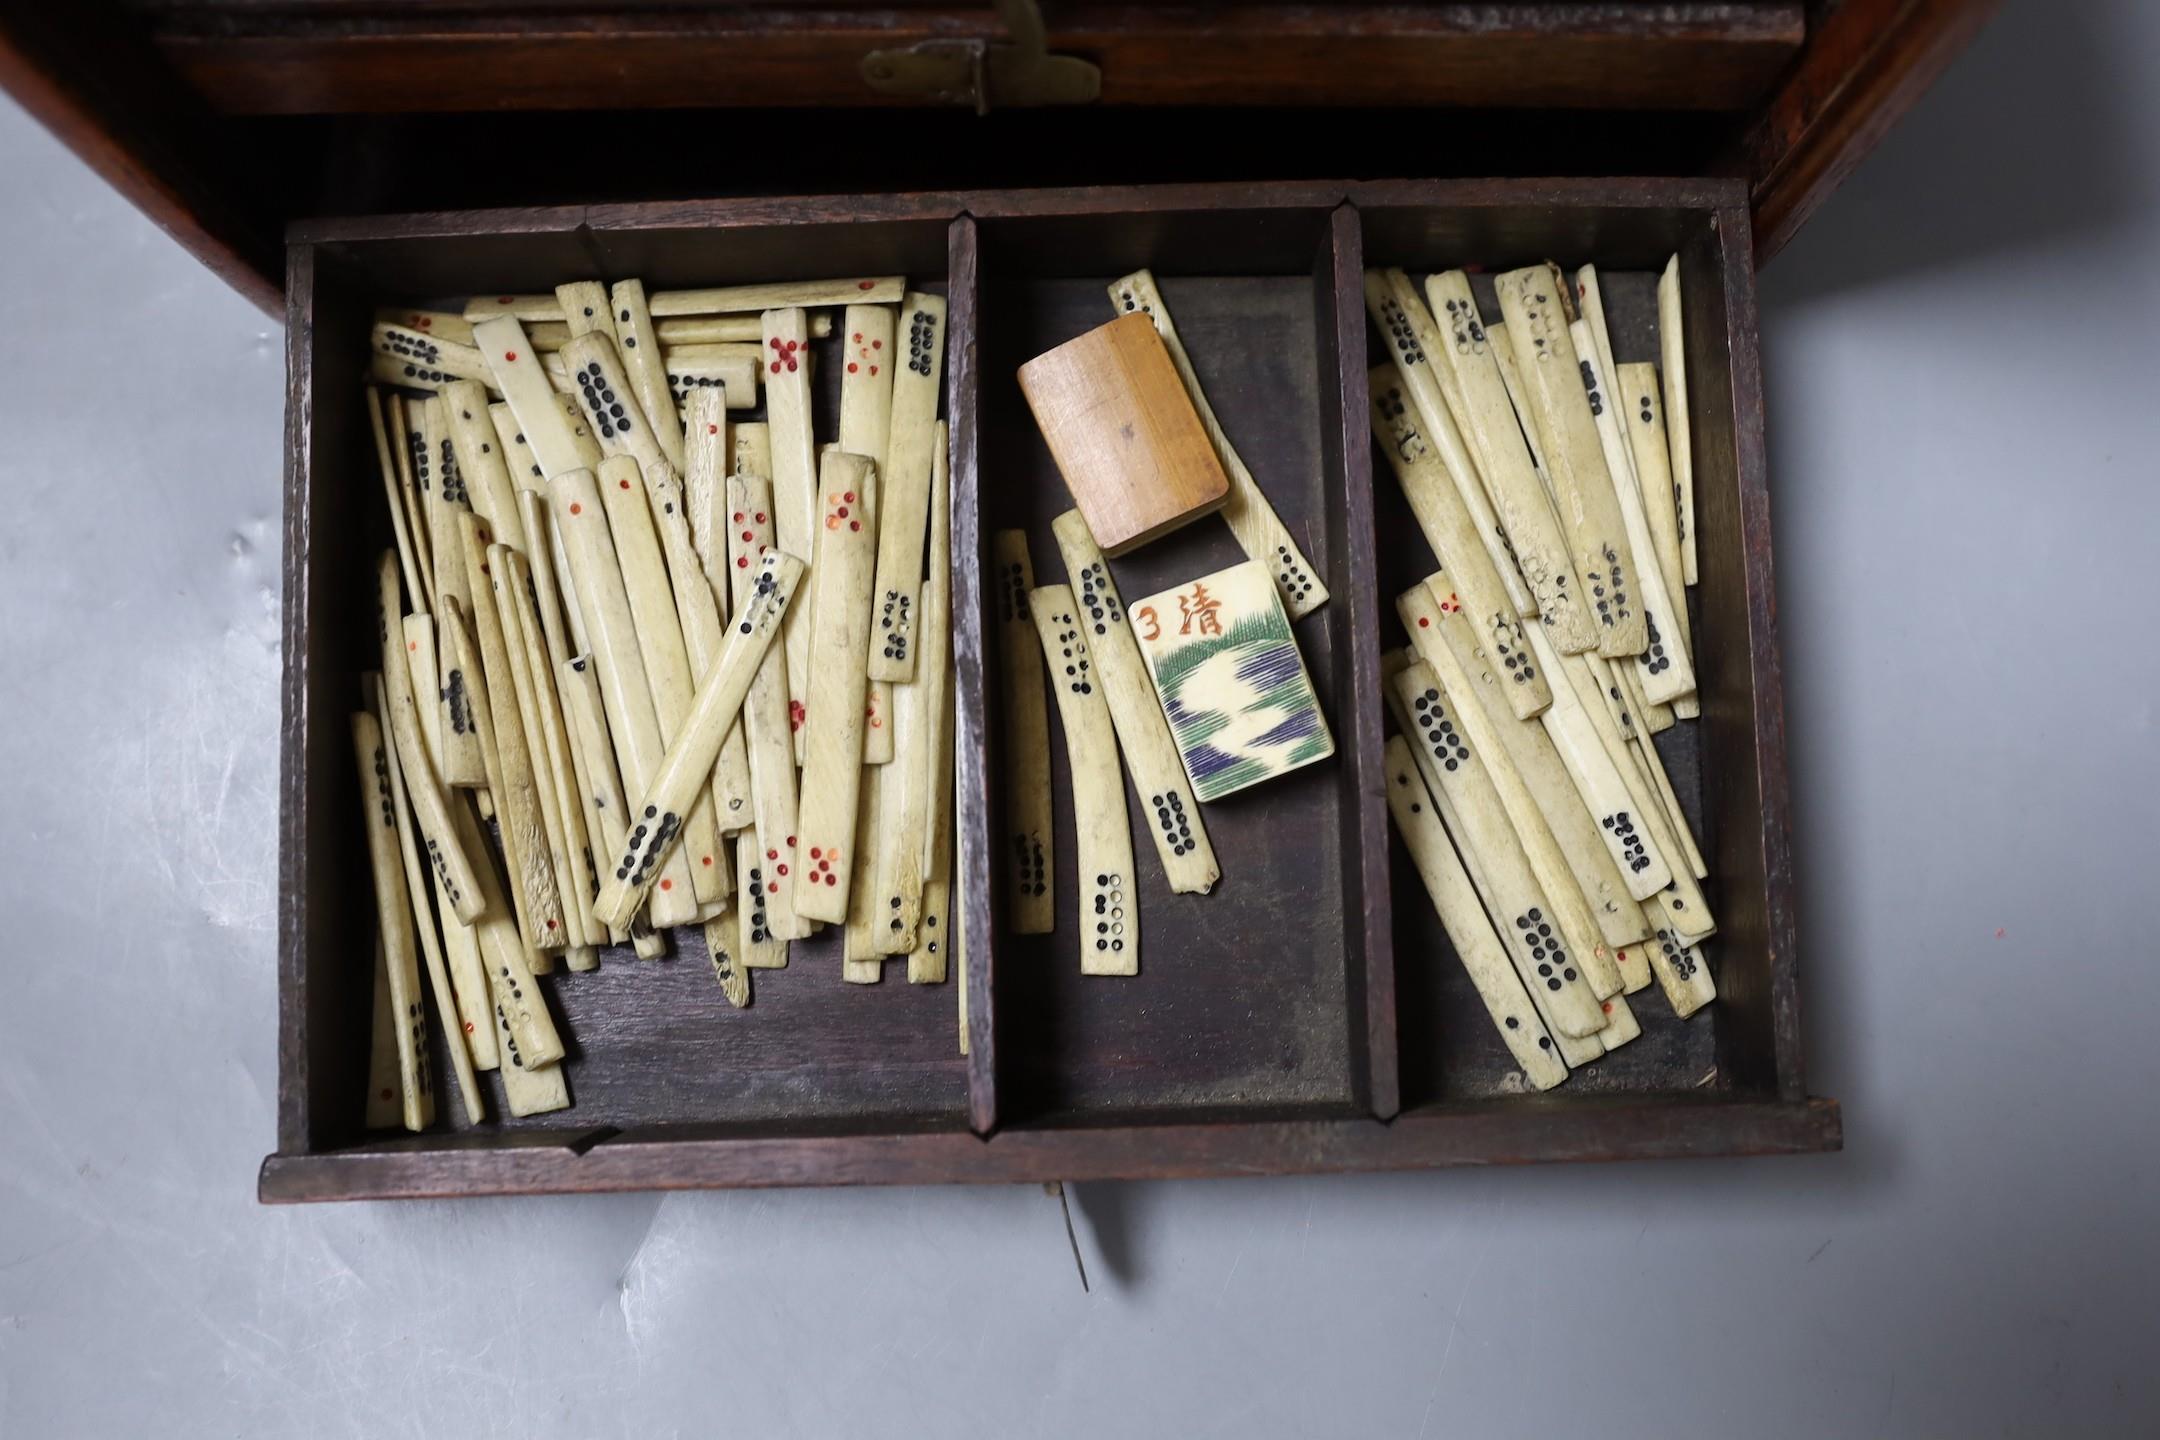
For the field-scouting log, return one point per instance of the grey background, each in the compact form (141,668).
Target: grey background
(1963,432)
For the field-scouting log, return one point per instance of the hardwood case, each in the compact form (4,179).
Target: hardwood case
(1299,1019)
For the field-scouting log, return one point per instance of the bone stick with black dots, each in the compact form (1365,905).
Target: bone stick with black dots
(553,777)
(920,705)
(1642,413)
(1413,341)
(737,299)
(927,963)
(524,384)
(758,945)
(1534,301)
(666,660)
(911,444)
(1545,956)
(1109,891)
(1476,945)
(748,537)
(609,405)
(462,947)
(489,486)
(793,460)
(1026,855)
(619,665)
(515,789)
(833,748)
(447,501)
(394,914)
(682,773)
(1663,667)
(1471,355)
(403,442)
(449,857)
(1685,897)
(1451,532)
(608,807)
(448,1008)
(1181,839)
(1672,351)
(1463,670)
(393,497)
(1534,774)
(701,602)
(1260,533)
(639,343)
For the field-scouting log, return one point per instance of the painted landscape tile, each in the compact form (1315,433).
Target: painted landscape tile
(1231,681)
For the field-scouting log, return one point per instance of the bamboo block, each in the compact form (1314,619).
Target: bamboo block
(1468,353)
(794,476)
(1525,918)
(921,742)
(729,329)
(1535,766)
(480,461)
(667,660)
(1109,890)
(1643,414)
(393,497)
(1181,840)
(524,384)
(609,809)
(448,1008)
(1413,339)
(682,775)
(394,914)
(468,982)
(619,665)
(1672,350)
(703,633)
(1533,301)
(1417,821)
(1260,533)
(514,782)
(1450,530)
(1663,667)
(912,450)
(1030,897)
(767,729)
(451,860)
(735,299)
(833,736)
(554,774)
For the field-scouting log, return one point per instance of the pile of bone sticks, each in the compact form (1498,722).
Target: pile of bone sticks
(1556,490)
(647,661)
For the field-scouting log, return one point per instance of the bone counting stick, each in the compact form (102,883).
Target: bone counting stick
(686,768)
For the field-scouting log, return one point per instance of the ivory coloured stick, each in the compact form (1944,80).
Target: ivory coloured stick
(735,299)
(699,609)
(394,914)
(1109,936)
(913,449)
(794,476)
(641,358)
(833,745)
(393,497)
(451,861)
(769,734)
(1672,351)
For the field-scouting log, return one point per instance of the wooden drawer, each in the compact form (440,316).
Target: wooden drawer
(1305,1017)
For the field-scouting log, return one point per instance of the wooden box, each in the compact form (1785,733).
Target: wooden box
(1305,1017)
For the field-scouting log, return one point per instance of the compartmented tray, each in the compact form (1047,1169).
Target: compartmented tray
(1298,1019)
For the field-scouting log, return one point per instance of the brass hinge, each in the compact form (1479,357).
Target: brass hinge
(983,73)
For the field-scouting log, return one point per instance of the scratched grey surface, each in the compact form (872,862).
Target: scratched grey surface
(1963,442)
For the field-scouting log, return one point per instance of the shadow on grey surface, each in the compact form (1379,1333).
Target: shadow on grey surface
(2025,140)
(1106,1207)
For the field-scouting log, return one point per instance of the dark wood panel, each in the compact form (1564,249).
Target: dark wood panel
(1866,63)
(1248,996)
(95,83)
(394,58)
(1512,1132)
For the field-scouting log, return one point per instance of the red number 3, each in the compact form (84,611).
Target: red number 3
(1147,613)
